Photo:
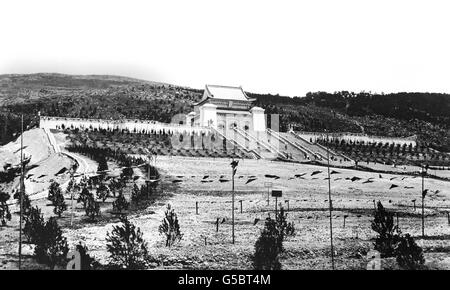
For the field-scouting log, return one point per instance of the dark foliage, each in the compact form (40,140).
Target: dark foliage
(92,208)
(170,227)
(388,233)
(87,262)
(126,247)
(84,196)
(266,256)
(102,192)
(5,215)
(59,203)
(53,191)
(51,246)
(120,204)
(408,254)
(270,243)
(34,225)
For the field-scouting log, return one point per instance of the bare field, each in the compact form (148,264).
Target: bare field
(308,208)
(189,180)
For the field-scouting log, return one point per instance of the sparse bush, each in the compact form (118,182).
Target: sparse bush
(34,225)
(408,254)
(170,227)
(126,247)
(51,246)
(388,233)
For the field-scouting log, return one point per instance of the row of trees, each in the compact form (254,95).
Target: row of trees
(390,242)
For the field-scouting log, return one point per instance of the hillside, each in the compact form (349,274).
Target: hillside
(95,96)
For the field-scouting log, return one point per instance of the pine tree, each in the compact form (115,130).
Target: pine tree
(53,190)
(267,249)
(270,243)
(51,246)
(59,204)
(126,247)
(92,208)
(388,233)
(34,225)
(170,227)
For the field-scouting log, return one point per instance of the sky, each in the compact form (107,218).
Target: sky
(285,47)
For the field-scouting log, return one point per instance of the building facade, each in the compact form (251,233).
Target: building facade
(225,108)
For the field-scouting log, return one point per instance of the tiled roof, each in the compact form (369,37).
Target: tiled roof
(226,93)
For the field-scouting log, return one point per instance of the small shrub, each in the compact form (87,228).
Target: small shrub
(170,227)
(120,203)
(408,254)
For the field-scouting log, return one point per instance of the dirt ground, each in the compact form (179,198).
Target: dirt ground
(306,197)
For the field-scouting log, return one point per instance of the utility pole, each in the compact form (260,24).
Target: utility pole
(72,172)
(233,164)
(21,193)
(330,206)
(149,175)
(424,170)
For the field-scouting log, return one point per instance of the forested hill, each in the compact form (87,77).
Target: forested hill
(426,115)
(95,96)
